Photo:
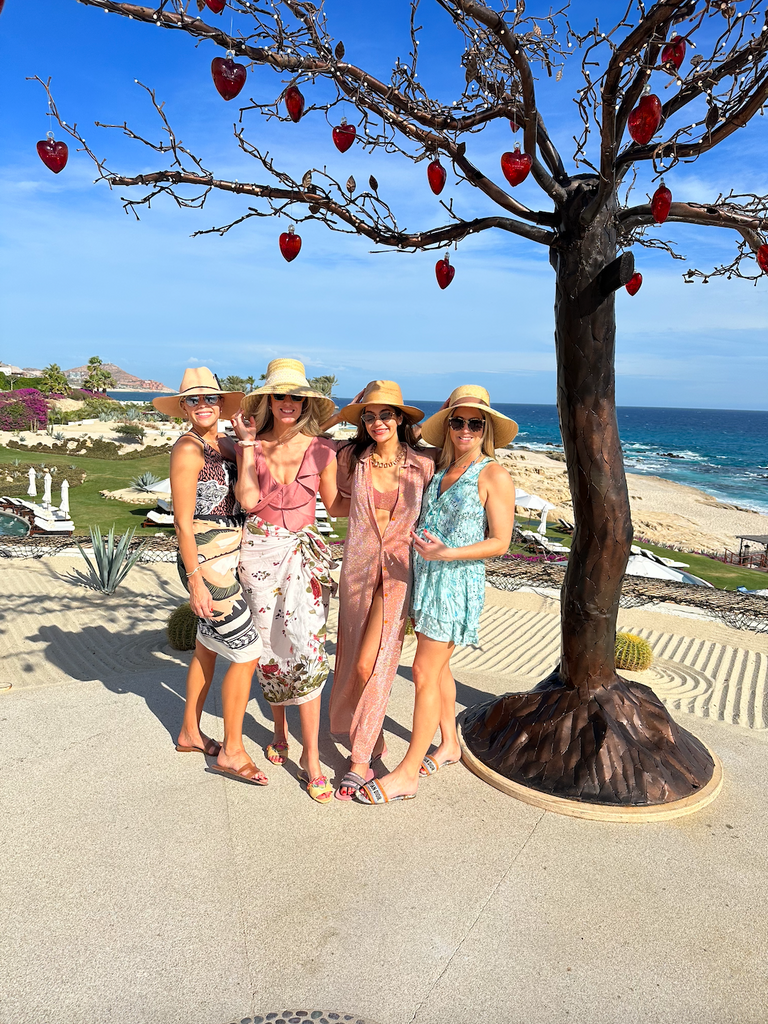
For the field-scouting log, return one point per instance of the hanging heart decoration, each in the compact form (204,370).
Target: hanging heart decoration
(53,154)
(343,136)
(444,272)
(290,244)
(660,203)
(515,166)
(436,176)
(644,120)
(673,52)
(513,123)
(228,77)
(217,6)
(294,103)
(633,284)
(762,258)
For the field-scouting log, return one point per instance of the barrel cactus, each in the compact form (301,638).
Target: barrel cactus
(633,654)
(182,628)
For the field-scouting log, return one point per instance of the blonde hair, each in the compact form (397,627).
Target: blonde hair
(260,408)
(447,453)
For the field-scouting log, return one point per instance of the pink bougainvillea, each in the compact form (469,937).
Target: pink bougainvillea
(20,410)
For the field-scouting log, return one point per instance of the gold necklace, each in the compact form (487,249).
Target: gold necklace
(400,457)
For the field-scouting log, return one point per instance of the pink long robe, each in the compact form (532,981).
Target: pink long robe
(368,558)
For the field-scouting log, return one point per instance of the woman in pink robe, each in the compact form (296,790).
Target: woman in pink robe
(385,476)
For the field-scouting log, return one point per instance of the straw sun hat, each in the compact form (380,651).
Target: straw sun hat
(380,392)
(504,428)
(288,377)
(200,381)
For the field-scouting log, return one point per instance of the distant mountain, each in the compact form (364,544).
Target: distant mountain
(123,380)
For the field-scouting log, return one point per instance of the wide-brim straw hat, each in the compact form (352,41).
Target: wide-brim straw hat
(504,429)
(288,377)
(199,380)
(380,392)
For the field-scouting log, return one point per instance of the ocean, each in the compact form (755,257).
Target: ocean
(722,452)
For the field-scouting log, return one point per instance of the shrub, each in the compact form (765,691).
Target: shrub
(96,450)
(113,561)
(145,482)
(633,653)
(131,432)
(182,628)
(22,409)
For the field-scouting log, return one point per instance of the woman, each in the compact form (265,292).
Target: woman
(467,516)
(385,475)
(285,565)
(208,523)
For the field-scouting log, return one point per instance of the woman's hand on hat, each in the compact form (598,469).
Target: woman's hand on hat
(245,429)
(359,396)
(430,547)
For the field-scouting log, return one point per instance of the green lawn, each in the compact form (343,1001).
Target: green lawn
(87,507)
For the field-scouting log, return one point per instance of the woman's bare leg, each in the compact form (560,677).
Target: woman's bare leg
(449,748)
(235,693)
(278,724)
(432,657)
(199,679)
(309,714)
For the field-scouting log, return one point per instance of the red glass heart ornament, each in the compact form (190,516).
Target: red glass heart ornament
(674,51)
(343,136)
(290,244)
(436,177)
(53,154)
(633,284)
(228,77)
(444,272)
(644,121)
(294,103)
(660,203)
(762,258)
(515,166)
(217,6)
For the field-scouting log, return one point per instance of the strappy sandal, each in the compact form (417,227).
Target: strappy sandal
(318,788)
(429,766)
(277,753)
(211,748)
(246,773)
(352,782)
(374,793)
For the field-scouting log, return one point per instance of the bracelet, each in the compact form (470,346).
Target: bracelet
(246,444)
(193,572)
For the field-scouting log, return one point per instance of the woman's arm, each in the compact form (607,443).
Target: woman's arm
(186,463)
(497,493)
(247,490)
(334,501)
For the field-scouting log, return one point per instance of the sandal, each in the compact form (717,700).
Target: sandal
(429,766)
(374,793)
(211,748)
(246,773)
(318,788)
(351,783)
(277,752)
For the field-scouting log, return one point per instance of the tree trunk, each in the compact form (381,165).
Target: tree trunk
(584,733)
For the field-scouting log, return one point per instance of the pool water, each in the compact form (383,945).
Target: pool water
(12,526)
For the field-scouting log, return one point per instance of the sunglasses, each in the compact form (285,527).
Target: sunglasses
(194,400)
(291,398)
(458,423)
(369,418)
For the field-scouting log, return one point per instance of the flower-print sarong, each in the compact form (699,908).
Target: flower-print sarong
(230,631)
(286,578)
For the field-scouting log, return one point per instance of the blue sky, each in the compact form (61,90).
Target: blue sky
(79,277)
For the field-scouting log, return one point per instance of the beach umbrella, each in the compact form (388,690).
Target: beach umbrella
(542,527)
(47,489)
(32,489)
(64,496)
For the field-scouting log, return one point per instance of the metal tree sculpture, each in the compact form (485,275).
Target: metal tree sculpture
(583,733)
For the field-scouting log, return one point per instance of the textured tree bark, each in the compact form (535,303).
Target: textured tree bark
(585,733)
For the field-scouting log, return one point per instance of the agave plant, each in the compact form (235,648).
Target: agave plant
(59,435)
(113,561)
(145,482)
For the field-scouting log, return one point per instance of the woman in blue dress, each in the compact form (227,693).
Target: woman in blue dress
(466,517)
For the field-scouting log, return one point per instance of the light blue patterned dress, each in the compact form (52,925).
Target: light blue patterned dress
(448,597)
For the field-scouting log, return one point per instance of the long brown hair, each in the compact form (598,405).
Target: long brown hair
(363,440)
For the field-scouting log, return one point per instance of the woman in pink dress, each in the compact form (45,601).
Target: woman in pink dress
(385,475)
(285,566)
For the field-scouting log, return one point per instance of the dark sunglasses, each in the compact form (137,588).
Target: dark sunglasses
(291,398)
(193,400)
(458,422)
(369,418)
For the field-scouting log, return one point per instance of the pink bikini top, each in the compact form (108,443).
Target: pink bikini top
(292,506)
(385,499)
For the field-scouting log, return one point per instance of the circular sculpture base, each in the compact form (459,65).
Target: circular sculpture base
(614,755)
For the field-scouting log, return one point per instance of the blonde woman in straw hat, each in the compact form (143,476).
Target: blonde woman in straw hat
(467,516)
(382,475)
(208,523)
(285,565)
